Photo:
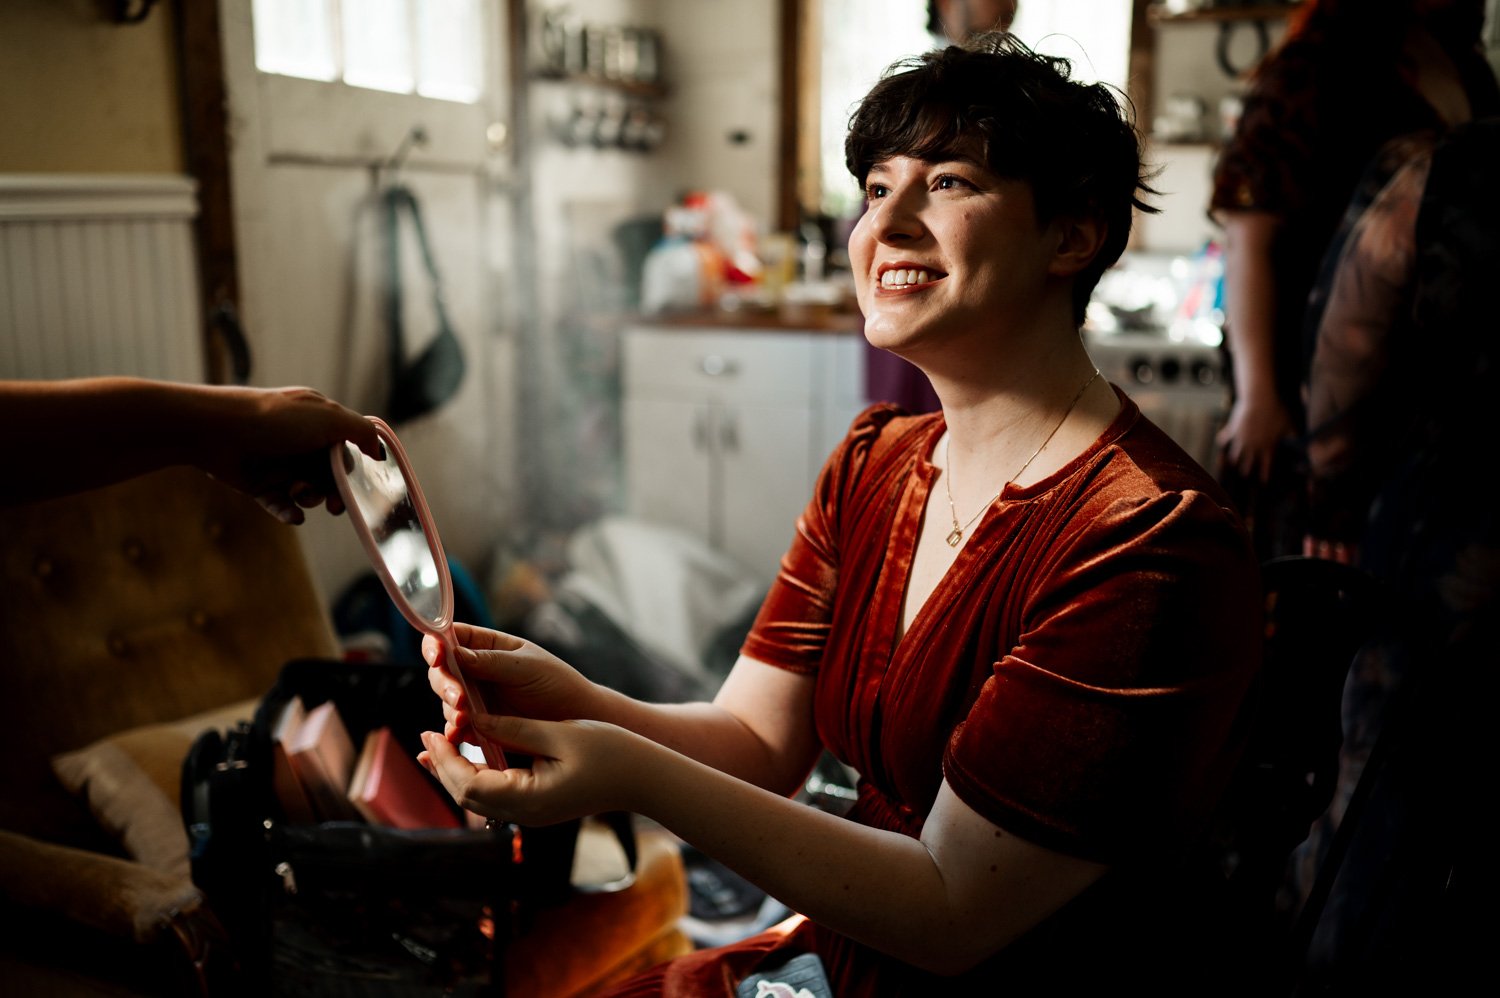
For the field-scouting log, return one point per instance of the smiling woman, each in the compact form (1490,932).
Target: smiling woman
(1027,621)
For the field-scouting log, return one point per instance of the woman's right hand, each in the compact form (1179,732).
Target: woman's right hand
(1252,435)
(509,674)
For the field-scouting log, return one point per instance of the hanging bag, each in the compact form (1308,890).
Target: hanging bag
(423,384)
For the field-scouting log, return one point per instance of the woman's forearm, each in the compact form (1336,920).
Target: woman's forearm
(711,734)
(1250,302)
(927,903)
(65,436)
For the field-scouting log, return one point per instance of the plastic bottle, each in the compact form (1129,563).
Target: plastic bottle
(672,276)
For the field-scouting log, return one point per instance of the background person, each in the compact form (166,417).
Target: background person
(1349,76)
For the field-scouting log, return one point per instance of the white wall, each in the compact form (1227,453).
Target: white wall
(719,65)
(1186,65)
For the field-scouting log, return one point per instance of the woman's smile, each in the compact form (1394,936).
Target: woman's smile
(905,277)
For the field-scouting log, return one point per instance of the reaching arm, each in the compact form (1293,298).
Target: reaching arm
(1259,420)
(943,902)
(70,435)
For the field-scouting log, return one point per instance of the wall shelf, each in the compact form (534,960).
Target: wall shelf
(628,87)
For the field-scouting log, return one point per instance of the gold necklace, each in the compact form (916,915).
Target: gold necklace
(957,534)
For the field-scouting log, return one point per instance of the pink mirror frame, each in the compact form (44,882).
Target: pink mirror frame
(443,625)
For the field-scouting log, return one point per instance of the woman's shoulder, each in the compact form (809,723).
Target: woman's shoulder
(1141,474)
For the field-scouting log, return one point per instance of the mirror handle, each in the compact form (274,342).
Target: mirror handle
(493,756)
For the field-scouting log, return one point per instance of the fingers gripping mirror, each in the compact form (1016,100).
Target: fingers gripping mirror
(393,522)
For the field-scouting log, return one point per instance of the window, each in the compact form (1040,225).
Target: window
(1092,34)
(860,39)
(425,47)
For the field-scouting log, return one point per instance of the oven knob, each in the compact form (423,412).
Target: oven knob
(1204,373)
(1142,371)
(1171,367)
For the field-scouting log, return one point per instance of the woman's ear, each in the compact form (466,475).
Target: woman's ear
(1078,242)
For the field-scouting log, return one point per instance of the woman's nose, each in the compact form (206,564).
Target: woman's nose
(898,218)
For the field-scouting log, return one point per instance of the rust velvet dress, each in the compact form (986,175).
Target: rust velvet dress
(1076,677)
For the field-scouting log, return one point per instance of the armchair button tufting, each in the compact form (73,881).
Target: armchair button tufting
(198,620)
(117,645)
(133,550)
(43,568)
(214,529)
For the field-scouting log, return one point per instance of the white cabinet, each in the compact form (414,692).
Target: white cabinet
(725,430)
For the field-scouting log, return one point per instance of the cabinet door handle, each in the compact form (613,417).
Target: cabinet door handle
(700,430)
(729,433)
(718,366)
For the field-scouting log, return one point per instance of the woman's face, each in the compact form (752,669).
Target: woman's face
(946,249)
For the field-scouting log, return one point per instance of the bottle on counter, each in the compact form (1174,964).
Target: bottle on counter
(684,270)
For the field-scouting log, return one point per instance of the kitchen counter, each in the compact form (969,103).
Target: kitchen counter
(797,318)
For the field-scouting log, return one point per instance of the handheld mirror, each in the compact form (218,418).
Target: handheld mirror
(385,505)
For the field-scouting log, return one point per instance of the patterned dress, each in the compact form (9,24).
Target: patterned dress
(1402,388)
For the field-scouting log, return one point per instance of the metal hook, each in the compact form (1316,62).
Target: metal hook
(416,138)
(381,170)
(132,11)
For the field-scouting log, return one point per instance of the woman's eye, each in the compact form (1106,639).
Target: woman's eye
(876,191)
(948,182)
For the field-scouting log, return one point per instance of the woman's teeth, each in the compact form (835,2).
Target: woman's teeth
(903,278)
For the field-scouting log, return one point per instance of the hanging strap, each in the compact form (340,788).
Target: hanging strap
(396,198)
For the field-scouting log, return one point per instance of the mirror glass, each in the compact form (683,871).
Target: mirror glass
(382,499)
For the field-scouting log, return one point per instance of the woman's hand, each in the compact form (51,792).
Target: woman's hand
(273,444)
(1252,435)
(578,768)
(509,674)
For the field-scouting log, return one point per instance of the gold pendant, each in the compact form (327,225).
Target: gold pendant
(955,537)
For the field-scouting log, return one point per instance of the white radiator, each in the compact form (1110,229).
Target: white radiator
(98,276)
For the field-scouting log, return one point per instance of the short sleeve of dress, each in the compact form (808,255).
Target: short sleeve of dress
(1105,732)
(791,629)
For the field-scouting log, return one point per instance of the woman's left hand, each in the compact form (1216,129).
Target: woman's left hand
(579,768)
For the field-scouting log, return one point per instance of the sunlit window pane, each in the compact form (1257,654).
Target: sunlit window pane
(431,47)
(448,33)
(1093,34)
(861,38)
(295,38)
(377,45)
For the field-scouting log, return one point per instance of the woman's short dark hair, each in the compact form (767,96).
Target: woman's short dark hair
(1072,142)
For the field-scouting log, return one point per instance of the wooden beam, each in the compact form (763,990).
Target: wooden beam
(790,153)
(205,127)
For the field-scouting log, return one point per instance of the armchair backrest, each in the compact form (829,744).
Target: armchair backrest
(146,601)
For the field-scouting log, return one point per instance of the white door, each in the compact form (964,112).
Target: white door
(308,158)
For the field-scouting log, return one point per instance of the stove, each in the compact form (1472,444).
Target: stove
(1180,385)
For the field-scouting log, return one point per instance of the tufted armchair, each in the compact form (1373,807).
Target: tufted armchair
(134,617)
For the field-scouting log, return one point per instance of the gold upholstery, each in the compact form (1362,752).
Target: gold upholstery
(131,607)
(143,602)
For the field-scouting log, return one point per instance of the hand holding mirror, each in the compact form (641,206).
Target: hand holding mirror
(393,522)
